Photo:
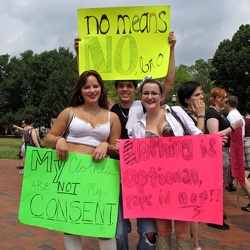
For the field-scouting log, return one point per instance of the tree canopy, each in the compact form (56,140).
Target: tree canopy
(35,84)
(40,84)
(231,64)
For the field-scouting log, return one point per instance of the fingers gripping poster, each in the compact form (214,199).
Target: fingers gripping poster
(178,178)
(77,196)
(124,43)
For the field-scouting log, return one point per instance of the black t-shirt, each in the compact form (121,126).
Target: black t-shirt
(123,117)
(222,120)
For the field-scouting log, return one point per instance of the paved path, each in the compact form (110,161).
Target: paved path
(16,236)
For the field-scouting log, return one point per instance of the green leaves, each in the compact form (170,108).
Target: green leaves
(231,64)
(35,84)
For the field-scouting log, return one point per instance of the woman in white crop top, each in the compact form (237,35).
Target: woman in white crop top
(93,130)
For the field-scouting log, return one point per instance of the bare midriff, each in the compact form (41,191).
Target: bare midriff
(80,148)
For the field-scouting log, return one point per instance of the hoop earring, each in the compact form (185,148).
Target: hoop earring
(81,99)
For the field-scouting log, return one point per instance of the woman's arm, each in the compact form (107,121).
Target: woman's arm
(168,81)
(54,139)
(115,133)
(17,127)
(213,126)
(34,137)
(109,147)
(76,47)
(187,121)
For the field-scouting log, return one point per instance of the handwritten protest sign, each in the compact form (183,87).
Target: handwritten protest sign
(78,196)
(124,42)
(237,155)
(173,178)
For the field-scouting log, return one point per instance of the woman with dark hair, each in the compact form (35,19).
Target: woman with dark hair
(93,130)
(191,97)
(215,122)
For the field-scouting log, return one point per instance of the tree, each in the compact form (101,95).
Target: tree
(201,72)
(35,84)
(181,75)
(231,65)
(4,71)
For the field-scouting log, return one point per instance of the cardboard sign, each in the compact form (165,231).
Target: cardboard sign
(77,196)
(237,155)
(124,43)
(178,178)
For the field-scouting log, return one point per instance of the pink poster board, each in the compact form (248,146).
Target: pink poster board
(173,178)
(237,155)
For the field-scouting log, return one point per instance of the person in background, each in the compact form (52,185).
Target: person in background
(30,137)
(129,112)
(233,115)
(215,121)
(160,122)
(22,153)
(93,130)
(191,97)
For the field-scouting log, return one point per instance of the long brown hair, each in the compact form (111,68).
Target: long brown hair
(76,98)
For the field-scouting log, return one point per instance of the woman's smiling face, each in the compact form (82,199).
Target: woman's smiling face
(91,91)
(151,95)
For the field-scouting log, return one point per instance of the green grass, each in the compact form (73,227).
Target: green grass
(10,146)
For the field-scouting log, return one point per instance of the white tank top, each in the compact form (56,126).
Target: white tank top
(81,132)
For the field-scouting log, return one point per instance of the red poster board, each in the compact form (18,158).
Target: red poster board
(177,178)
(237,155)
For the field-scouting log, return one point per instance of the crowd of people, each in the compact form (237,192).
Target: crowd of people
(96,126)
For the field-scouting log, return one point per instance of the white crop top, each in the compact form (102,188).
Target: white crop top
(81,132)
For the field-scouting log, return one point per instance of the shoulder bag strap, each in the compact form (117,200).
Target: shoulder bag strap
(71,114)
(180,121)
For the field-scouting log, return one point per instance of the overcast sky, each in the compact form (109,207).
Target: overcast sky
(40,25)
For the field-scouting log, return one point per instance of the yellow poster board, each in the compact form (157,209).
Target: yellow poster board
(124,43)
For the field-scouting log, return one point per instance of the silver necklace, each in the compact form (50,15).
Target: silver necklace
(125,116)
(90,116)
